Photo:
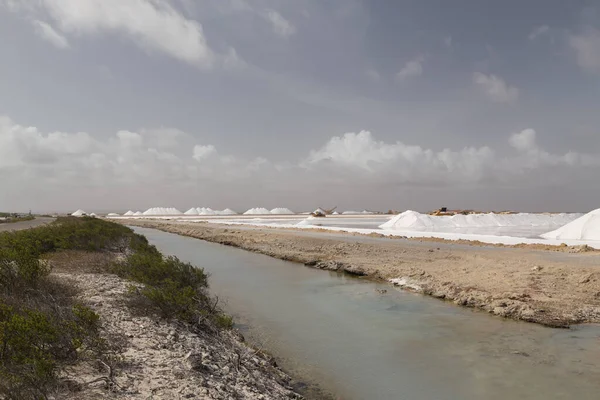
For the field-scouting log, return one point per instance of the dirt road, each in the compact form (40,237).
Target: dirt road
(17,226)
(553,288)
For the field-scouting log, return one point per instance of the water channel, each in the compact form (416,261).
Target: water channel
(343,334)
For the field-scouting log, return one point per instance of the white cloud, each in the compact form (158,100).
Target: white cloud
(587,48)
(203,152)
(154,25)
(161,158)
(411,69)
(49,34)
(398,161)
(281,26)
(539,31)
(496,88)
(524,140)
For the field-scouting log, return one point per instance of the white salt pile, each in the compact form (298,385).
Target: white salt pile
(415,220)
(257,211)
(206,211)
(79,213)
(308,221)
(112,215)
(93,215)
(335,213)
(586,227)
(128,213)
(162,211)
(350,212)
(138,213)
(282,211)
(191,211)
(227,211)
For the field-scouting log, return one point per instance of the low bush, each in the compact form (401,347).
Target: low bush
(41,326)
(175,288)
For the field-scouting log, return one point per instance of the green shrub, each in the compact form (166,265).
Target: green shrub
(176,288)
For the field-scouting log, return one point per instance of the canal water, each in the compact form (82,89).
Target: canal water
(346,336)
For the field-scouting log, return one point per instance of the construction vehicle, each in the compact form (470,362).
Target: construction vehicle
(322,212)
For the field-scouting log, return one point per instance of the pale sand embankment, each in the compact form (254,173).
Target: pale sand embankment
(541,285)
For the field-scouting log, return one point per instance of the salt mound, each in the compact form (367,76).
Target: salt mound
(586,227)
(162,211)
(79,213)
(227,211)
(350,212)
(335,213)
(281,211)
(257,211)
(415,220)
(93,215)
(191,211)
(307,221)
(137,213)
(129,213)
(206,211)
(112,215)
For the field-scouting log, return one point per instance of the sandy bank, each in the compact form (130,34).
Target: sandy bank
(155,358)
(546,287)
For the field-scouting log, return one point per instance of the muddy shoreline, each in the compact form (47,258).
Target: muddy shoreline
(543,286)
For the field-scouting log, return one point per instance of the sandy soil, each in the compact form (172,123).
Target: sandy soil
(157,359)
(541,285)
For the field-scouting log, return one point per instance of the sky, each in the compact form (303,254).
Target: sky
(111,105)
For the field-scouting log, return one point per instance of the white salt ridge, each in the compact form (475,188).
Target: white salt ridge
(282,211)
(138,213)
(209,211)
(308,221)
(79,213)
(415,220)
(586,227)
(206,211)
(112,215)
(227,211)
(162,211)
(257,211)
(129,213)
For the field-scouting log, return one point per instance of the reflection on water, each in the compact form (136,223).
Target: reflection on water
(344,335)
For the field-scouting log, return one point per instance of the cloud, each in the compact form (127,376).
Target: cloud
(523,141)
(153,25)
(496,88)
(398,162)
(539,31)
(411,69)
(79,164)
(281,26)
(586,46)
(49,34)
(203,152)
